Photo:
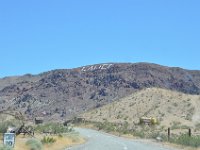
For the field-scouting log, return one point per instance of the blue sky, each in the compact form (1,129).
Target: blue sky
(41,35)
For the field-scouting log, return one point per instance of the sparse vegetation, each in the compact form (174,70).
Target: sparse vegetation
(184,127)
(175,125)
(151,102)
(175,104)
(106,126)
(34,144)
(193,141)
(65,134)
(197,126)
(5,124)
(54,128)
(154,135)
(140,134)
(48,140)
(3,147)
(184,139)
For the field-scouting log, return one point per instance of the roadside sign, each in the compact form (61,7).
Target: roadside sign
(9,139)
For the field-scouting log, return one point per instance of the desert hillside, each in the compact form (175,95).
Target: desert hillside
(61,94)
(169,107)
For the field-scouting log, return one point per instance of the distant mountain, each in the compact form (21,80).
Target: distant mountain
(59,94)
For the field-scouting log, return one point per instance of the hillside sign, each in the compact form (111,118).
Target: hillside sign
(96,67)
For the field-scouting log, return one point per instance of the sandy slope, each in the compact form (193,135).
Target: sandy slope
(169,107)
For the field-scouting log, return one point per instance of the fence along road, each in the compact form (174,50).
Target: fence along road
(101,141)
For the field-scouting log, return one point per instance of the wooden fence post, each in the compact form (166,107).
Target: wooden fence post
(168,134)
(189,132)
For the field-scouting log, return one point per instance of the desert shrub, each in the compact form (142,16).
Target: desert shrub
(34,144)
(48,140)
(113,127)
(176,125)
(55,128)
(5,124)
(197,126)
(3,127)
(124,128)
(3,147)
(184,127)
(140,134)
(184,139)
(189,117)
(106,126)
(60,135)
(175,104)
(154,135)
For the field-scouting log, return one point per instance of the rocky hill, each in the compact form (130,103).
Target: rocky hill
(59,94)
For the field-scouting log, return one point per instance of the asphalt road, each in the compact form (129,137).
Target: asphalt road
(102,141)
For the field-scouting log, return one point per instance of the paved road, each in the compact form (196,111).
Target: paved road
(101,141)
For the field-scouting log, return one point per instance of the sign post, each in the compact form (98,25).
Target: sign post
(9,139)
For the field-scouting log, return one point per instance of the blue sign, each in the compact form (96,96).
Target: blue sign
(9,139)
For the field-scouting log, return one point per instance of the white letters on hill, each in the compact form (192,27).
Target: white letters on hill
(96,67)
